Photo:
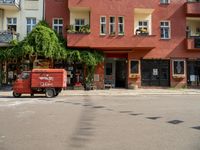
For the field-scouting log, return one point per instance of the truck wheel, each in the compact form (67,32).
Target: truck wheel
(56,94)
(16,94)
(49,93)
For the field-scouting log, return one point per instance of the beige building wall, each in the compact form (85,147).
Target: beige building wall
(79,15)
(28,9)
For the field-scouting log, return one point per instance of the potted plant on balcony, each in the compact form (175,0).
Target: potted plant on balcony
(144,32)
(70,29)
(112,33)
(85,29)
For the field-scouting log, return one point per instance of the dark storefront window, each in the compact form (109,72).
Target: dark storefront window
(178,67)
(155,72)
(109,69)
(134,64)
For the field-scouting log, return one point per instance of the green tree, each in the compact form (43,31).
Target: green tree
(42,41)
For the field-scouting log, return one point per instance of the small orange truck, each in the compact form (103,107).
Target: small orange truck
(40,81)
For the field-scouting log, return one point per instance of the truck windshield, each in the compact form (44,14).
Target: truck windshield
(25,75)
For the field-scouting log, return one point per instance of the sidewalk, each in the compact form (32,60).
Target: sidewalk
(120,92)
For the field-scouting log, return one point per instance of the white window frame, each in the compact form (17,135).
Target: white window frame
(164,26)
(12,22)
(103,23)
(164,1)
(57,25)
(114,28)
(121,24)
(79,25)
(184,62)
(32,25)
(143,26)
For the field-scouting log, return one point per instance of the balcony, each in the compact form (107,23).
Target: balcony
(193,8)
(78,3)
(109,42)
(193,43)
(10,4)
(6,37)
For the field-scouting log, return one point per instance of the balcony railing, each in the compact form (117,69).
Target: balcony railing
(193,43)
(111,42)
(6,36)
(85,29)
(193,8)
(9,4)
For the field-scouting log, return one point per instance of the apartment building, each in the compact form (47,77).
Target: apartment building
(145,42)
(17,19)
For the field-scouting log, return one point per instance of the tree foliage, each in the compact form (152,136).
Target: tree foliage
(43,41)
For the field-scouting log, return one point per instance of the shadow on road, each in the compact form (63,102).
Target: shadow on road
(85,127)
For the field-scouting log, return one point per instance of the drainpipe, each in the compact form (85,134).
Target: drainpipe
(2,18)
(43,15)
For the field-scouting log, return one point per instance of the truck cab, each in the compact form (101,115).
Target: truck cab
(22,84)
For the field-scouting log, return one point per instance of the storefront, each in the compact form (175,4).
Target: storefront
(116,71)
(155,73)
(193,73)
(75,73)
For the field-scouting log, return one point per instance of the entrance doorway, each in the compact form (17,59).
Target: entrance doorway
(155,72)
(193,73)
(116,72)
(121,68)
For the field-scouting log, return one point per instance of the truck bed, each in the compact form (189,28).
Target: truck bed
(43,78)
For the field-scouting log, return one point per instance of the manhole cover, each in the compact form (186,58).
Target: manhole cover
(153,118)
(198,127)
(175,121)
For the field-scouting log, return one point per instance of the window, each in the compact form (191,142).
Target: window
(25,75)
(178,67)
(112,25)
(78,24)
(58,25)
(102,25)
(164,1)
(30,24)
(134,67)
(121,25)
(109,70)
(165,29)
(142,28)
(12,24)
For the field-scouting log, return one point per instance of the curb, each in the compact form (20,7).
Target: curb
(115,93)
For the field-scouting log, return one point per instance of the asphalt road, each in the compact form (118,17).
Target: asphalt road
(140,122)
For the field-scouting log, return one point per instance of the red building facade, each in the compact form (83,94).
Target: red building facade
(145,42)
